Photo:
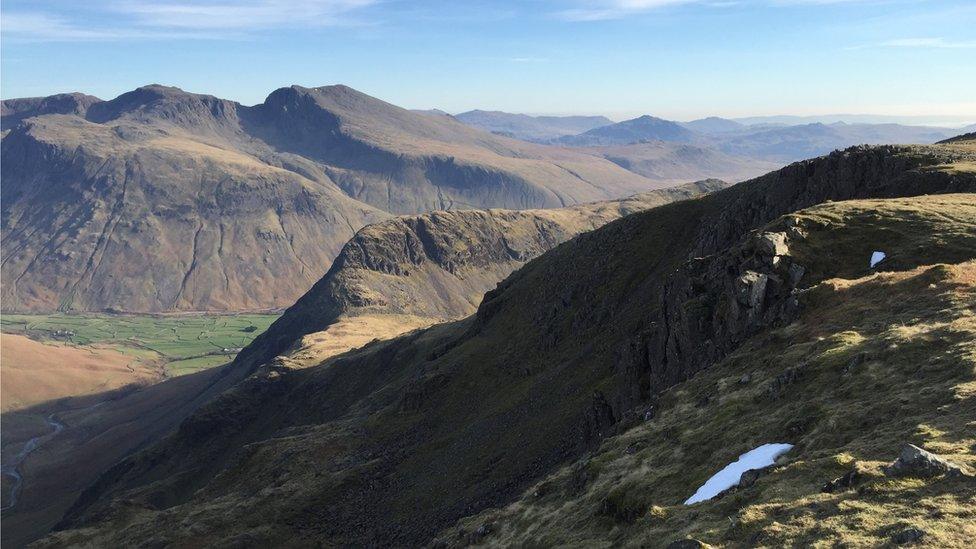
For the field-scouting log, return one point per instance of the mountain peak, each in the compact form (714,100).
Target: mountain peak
(636,130)
(162,103)
(15,110)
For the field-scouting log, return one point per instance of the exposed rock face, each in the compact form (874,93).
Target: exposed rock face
(93,221)
(242,207)
(714,301)
(438,266)
(914,461)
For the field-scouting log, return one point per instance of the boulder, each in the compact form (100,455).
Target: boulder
(750,289)
(772,244)
(916,462)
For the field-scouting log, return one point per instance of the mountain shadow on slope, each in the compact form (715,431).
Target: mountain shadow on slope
(412,434)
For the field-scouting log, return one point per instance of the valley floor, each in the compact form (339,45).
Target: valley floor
(72,383)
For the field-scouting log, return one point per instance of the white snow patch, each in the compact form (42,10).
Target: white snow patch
(877,257)
(763,456)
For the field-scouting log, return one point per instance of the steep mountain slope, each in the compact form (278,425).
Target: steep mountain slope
(393,443)
(99,216)
(872,364)
(637,130)
(242,207)
(964,138)
(660,160)
(531,128)
(410,272)
(408,162)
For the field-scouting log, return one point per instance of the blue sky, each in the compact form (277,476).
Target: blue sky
(674,58)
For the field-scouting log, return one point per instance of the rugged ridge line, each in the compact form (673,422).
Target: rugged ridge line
(437,266)
(274,191)
(399,429)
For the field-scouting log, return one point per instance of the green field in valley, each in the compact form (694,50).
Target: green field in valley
(187,343)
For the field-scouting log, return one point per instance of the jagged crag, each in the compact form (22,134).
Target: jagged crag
(613,346)
(435,267)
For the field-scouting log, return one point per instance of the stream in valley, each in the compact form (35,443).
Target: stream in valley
(11,470)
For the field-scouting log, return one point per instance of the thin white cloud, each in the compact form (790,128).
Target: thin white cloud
(168,19)
(602,10)
(246,15)
(42,27)
(928,43)
(918,43)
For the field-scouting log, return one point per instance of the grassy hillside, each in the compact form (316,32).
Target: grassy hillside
(662,160)
(393,443)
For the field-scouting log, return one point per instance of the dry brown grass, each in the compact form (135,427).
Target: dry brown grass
(35,372)
(351,332)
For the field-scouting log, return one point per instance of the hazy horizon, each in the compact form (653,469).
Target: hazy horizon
(946,121)
(676,59)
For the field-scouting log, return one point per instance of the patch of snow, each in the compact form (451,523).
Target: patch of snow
(877,257)
(760,457)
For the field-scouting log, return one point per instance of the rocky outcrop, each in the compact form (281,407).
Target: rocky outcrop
(713,301)
(916,462)
(439,265)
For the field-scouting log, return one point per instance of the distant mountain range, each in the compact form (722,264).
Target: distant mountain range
(637,130)
(714,125)
(531,128)
(770,139)
(793,120)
